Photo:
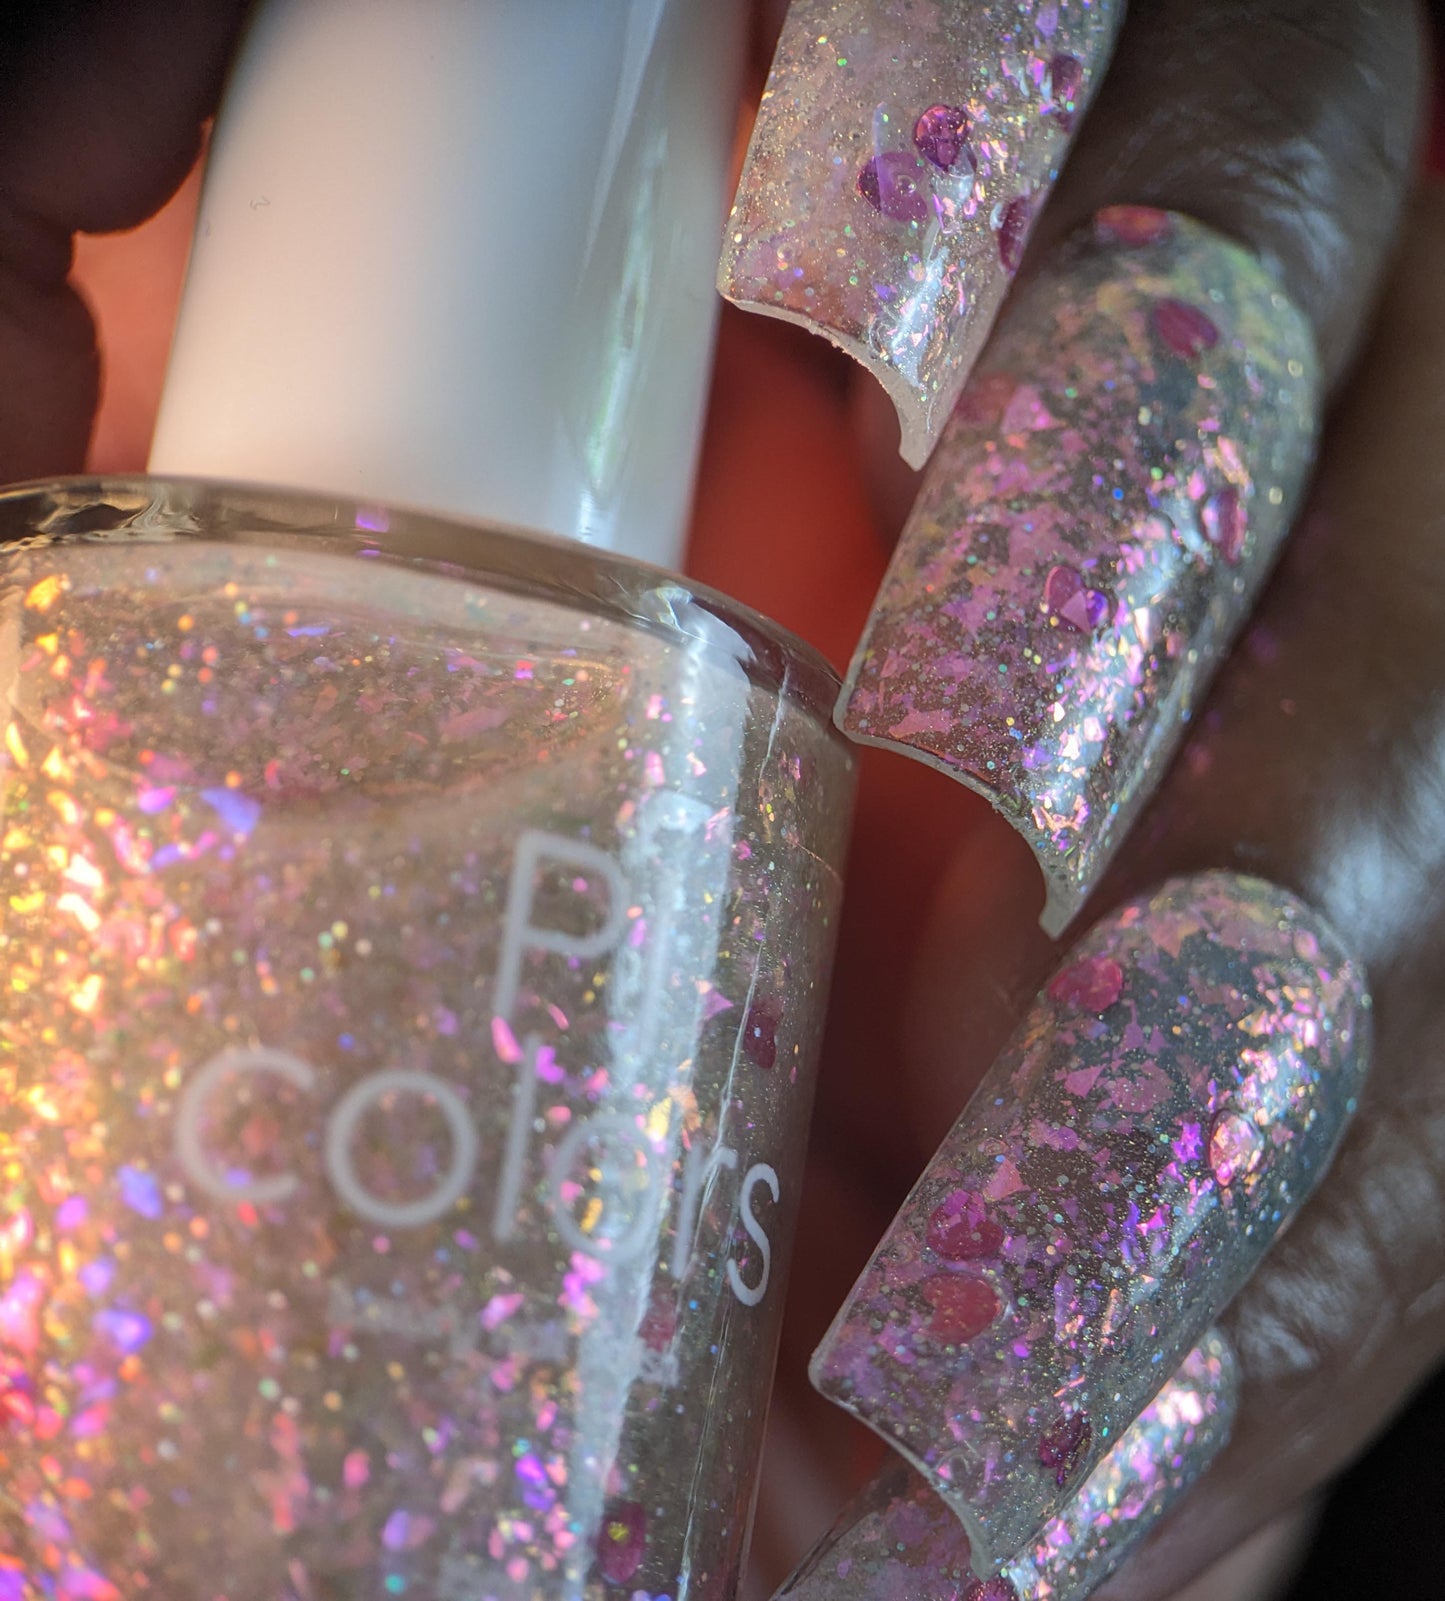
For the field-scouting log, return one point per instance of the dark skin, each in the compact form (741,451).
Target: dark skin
(1319,761)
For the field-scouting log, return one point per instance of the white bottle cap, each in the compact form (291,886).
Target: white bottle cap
(459,255)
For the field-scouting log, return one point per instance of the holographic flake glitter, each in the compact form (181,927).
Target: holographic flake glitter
(1091,532)
(900,155)
(1119,1241)
(388,1203)
(897,1541)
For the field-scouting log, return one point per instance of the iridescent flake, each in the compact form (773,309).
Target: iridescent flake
(1092,530)
(1123,1235)
(898,1542)
(899,157)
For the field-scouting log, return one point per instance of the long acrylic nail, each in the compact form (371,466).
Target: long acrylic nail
(1101,513)
(1165,1106)
(897,1540)
(900,155)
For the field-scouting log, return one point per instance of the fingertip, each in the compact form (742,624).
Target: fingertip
(104,105)
(48,352)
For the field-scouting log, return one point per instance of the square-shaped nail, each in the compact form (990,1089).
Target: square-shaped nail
(900,155)
(1163,1109)
(1093,529)
(897,1540)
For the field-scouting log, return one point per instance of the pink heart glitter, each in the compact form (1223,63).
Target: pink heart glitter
(1184,328)
(941,135)
(896,183)
(1070,599)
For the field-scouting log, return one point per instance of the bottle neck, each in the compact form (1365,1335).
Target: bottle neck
(461,257)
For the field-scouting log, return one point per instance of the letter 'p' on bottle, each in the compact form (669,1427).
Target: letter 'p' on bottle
(415,934)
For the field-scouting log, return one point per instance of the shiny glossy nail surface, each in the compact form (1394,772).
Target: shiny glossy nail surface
(412,971)
(899,157)
(1092,530)
(1165,1106)
(898,1541)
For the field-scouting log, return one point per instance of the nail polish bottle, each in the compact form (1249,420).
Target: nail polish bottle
(415,931)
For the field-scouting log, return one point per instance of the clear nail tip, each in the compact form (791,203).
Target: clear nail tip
(899,158)
(1105,505)
(1162,1111)
(897,1540)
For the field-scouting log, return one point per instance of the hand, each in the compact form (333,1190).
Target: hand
(1315,764)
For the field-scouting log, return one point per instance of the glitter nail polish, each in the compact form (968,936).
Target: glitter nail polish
(899,158)
(1104,507)
(1162,1111)
(897,1539)
(397,1193)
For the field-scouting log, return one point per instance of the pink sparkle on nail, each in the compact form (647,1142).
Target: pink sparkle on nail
(1091,984)
(1066,78)
(1189,1146)
(1223,520)
(621,1541)
(1070,599)
(1063,1446)
(1013,231)
(1236,1147)
(941,134)
(961,1231)
(894,184)
(963,1307)
(1184,328)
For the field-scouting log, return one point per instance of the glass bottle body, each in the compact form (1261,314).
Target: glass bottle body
(414,941)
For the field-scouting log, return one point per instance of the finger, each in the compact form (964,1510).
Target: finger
(100,121)
(1290,128)
(1346,1314)
(1326,744)
(1072,572)
(1318,766)
(897,161)
(1287,125)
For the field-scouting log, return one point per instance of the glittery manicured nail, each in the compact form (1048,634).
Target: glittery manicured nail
(1103,508)
(899,157)
(897,1540)
(1165,1106)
